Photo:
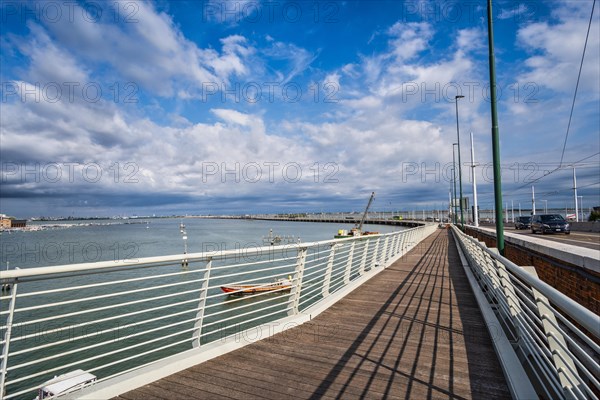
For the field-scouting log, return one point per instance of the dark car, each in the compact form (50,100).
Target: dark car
(547,223)
(523,222)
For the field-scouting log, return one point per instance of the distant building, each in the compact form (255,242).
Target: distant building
(9,222)
(18,223)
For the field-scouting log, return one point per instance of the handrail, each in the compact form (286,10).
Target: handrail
(560,357)
(579,313)
(127,302)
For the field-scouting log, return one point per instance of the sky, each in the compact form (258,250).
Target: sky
(235,107)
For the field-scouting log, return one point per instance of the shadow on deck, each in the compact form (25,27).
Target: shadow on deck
(412,331)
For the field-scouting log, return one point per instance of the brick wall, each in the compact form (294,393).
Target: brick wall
(579,284)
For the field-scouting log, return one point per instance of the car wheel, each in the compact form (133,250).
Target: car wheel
(567,233)
(532,231)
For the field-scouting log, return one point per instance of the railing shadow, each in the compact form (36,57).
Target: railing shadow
(412,338)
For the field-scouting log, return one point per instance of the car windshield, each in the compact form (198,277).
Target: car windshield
(524,219)
(552,218)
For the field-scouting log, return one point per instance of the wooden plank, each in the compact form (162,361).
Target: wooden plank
(414,331)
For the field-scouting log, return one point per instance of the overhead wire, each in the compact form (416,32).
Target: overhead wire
(577,84)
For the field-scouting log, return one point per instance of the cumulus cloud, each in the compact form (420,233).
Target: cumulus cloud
(152,52)
(556,48)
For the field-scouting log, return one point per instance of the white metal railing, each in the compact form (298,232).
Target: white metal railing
(555,338)
(111,317)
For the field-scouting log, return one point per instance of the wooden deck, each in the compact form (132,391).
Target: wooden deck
(413,331)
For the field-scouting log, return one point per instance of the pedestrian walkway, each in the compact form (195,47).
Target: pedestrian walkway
(412,331)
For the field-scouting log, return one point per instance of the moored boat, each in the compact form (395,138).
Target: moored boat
(281,285)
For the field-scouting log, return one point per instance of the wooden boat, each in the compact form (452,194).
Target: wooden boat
(280,285)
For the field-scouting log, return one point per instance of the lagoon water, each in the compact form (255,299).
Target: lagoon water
(107,240)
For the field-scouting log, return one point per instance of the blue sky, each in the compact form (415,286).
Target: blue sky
(113,108)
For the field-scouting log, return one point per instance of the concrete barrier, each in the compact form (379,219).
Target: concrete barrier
(585,226)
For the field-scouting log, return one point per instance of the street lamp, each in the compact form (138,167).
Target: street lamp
(462,218)
(581,206)
(454,180)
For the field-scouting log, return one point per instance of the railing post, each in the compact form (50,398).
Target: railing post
(410,242)
(393,240)
(510,295)
(386,249)
(7,334)
(565,367)
(397,239)
(401,243)
(376,253)
(201,305)
(297,282)
(349,263)
(327,278)
(363,261)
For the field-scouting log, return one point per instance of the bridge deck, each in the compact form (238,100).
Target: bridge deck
(413,331)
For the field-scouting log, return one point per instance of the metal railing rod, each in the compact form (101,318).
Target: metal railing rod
(580,334)
(248,264)
(110,283)
(109,295)
(254,304)
(236,274)
(111,341)
(58,330)
(585,369)
(317,272)
(310,296)
(120,350)
(248,321)
(238,316)
(310,291)
(112,306)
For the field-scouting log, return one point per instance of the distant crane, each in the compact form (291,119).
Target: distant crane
(362,220)
(357,230)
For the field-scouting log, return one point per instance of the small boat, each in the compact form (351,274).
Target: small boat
(281,285)
(354,232)
(65,383)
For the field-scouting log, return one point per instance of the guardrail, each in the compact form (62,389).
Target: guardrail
(555,338)
(111,318)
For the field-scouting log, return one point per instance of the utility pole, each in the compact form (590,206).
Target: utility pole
(449,203)
(575,195)
(454,178)
(512,209)
(532,200)
(462,218)
(475,211)
(495,135)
